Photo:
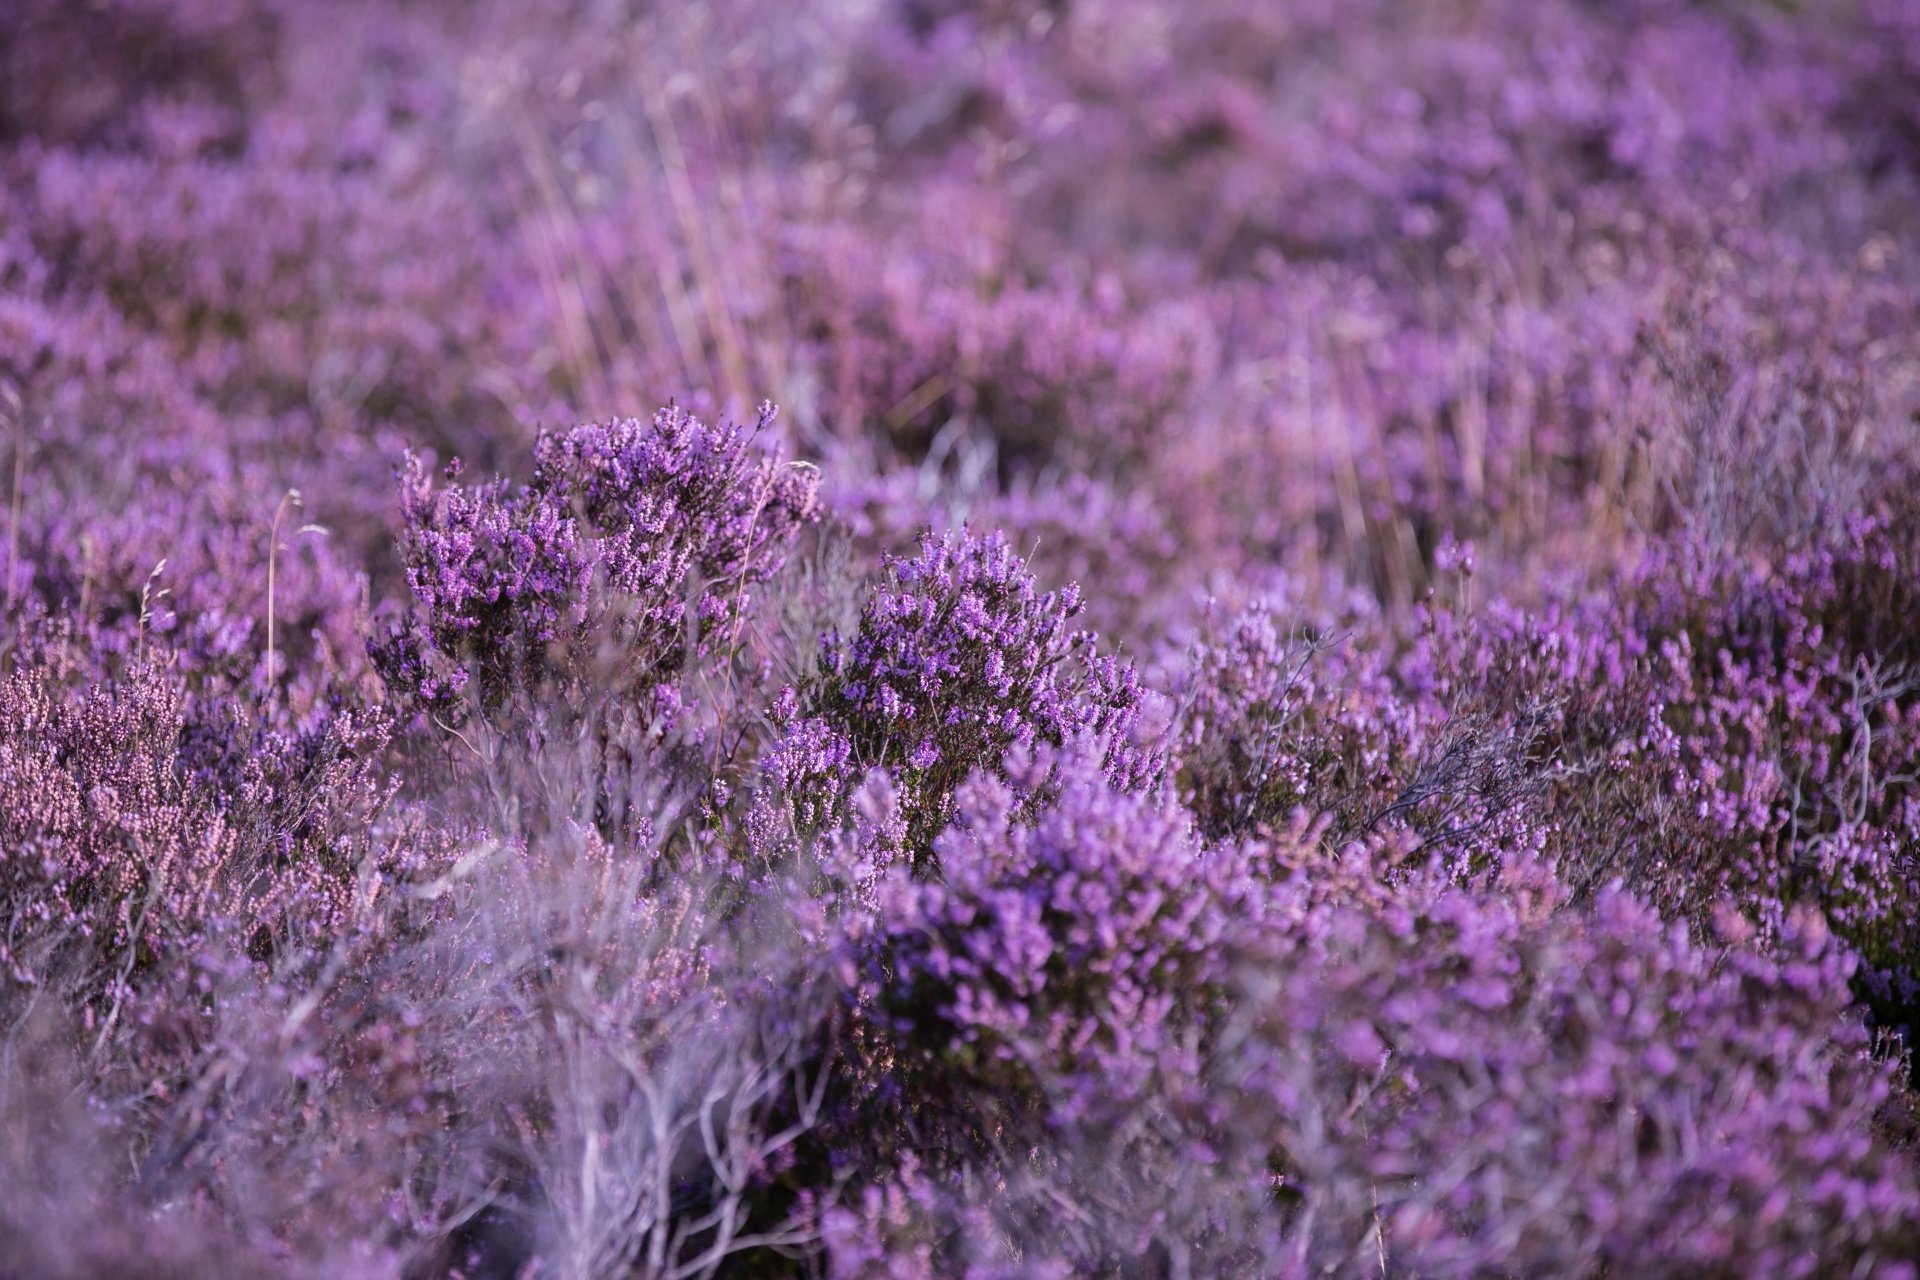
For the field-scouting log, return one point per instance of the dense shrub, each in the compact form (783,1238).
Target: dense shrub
(630,553)
(959,658)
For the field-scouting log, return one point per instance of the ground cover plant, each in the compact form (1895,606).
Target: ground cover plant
(1317,671)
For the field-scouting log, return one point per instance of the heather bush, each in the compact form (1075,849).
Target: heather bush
(630,553)
(958,659)
(1056,986)
(1060,951)
(1498,1039)
(1460,741)
(1791,709)
(1266,1052)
